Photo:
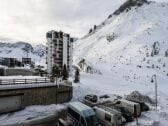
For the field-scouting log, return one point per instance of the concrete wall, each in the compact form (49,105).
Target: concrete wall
(10,103)
(40,95)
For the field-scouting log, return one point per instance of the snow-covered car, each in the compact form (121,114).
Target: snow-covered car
(132,107)
(125,113)
(143,106)
(108,116)
(91,97)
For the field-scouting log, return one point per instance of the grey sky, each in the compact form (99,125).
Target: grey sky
(29,20)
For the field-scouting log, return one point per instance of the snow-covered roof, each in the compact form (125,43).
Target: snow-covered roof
(81,108)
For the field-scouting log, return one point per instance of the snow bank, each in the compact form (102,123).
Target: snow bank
(30,113)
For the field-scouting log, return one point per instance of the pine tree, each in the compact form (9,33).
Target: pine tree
(166,53)
(65,73)
(77,76)
(94,27)
(55,72)
(90,31)
(109,16)
(152,53)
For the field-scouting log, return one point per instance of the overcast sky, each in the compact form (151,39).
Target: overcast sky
(29,20)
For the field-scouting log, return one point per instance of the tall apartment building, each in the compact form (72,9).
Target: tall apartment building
(59,50)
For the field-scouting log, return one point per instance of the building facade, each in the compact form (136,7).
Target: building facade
(10,62)
(59,50)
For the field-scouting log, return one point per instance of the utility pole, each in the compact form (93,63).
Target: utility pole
(135,109)
(154,79)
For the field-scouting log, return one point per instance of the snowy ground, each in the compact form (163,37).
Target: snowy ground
(29,113)
(99,84)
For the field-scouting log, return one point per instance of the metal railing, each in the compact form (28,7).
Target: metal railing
(24,81)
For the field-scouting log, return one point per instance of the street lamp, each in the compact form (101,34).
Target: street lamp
(154,79)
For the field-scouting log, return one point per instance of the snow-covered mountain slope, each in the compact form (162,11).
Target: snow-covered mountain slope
(22,50)
(131,45)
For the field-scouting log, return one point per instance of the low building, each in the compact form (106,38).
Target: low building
(10,62)
(15,62)
(26,60)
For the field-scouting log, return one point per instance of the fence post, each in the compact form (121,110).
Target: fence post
(45,80)
(0,81)
(25,80)
(36,80)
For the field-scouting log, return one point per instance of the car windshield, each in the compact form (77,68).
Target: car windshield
(92,121)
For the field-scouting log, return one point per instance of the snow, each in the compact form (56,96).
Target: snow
(20,77)
(21,86)
(30,113)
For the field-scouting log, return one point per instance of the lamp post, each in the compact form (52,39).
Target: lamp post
(154,79)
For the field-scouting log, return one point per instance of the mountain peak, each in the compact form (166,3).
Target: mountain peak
(125,7)
(129,4)
(19,49)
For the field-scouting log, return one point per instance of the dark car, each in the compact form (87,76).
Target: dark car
(91,97)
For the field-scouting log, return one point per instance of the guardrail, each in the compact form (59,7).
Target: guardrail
(24,81)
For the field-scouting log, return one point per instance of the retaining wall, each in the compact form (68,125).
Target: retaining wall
(40,95)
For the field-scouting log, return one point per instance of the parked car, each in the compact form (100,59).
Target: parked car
(132,107)
(92,98)
(82,114)
(108,116)
(125,113)
(143,106)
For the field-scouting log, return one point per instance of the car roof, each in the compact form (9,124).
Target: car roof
(130,102)
(109,109)
(81,108)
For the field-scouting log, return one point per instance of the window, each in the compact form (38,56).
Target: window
(91,120)
(55,41)
(49,35)
(61,34)
(56,34)
(60,42)
(107,117)
(74,114)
